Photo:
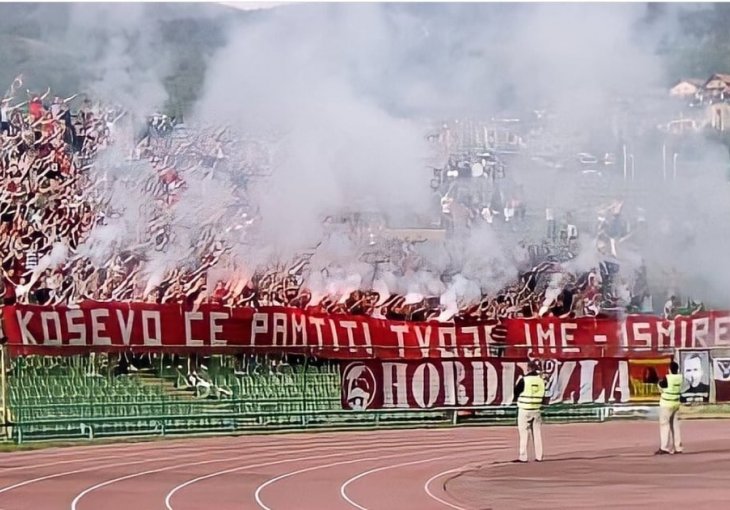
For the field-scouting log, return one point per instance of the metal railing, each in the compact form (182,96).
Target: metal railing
(91,396)
(69,428)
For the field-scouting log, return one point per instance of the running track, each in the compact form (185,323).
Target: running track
(374,470)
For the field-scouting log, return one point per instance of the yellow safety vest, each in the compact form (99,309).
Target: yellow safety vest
(670,394)
(532,395)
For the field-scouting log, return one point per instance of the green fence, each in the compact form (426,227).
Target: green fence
(85,397)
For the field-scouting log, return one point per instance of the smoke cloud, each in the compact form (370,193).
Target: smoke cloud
(344,95)
(351,90)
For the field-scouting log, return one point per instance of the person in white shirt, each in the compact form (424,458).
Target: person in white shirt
(5,116)
(670,307)
(57,107)
(552,227)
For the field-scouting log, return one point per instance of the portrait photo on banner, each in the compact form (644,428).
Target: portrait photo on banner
(696,371)
(721,374)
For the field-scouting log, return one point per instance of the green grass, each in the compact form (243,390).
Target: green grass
(706,411)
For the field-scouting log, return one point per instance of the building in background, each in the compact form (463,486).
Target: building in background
(686,88)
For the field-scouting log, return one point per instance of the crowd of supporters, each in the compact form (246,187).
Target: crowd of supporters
(47,194)
(61,197)
(53,198)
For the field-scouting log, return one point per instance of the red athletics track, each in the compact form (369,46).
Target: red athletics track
(458,468)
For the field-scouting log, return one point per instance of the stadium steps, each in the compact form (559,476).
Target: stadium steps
(164,385)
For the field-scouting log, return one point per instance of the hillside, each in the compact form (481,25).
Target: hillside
(76,47)
(71,45)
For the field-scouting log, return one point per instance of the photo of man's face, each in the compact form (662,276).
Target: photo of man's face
(693,371)
(696,372)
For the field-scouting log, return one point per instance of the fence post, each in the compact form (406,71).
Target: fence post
(304,389)
(4,389)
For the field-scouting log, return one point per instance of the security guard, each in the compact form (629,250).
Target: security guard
(530,392)
(670,437)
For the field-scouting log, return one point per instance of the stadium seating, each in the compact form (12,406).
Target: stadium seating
(85,397)
(62,396)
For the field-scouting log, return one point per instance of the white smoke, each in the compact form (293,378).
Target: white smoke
(348,92)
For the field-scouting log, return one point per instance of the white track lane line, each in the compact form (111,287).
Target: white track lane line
(343,487)
(195,449)
(176,489)
(257,494)
(195,453)
(174,444)
(86,459)
(314,444)
(59,462)
(75,502)
(153,444)
(75,451)
(427,487)
(86,470)
(127,450)
(267,450)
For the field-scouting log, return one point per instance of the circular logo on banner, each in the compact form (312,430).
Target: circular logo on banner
(358,384)
(549,366)
(549,373)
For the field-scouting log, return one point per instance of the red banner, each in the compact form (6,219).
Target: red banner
(144,326)
(373,384)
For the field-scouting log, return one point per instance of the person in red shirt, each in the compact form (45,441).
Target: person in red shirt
(35,108)
(10,281)
(219,293)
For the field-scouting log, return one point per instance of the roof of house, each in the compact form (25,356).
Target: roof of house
(725,78)
(692,81)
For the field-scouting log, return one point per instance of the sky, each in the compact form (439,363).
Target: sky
(249,6)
